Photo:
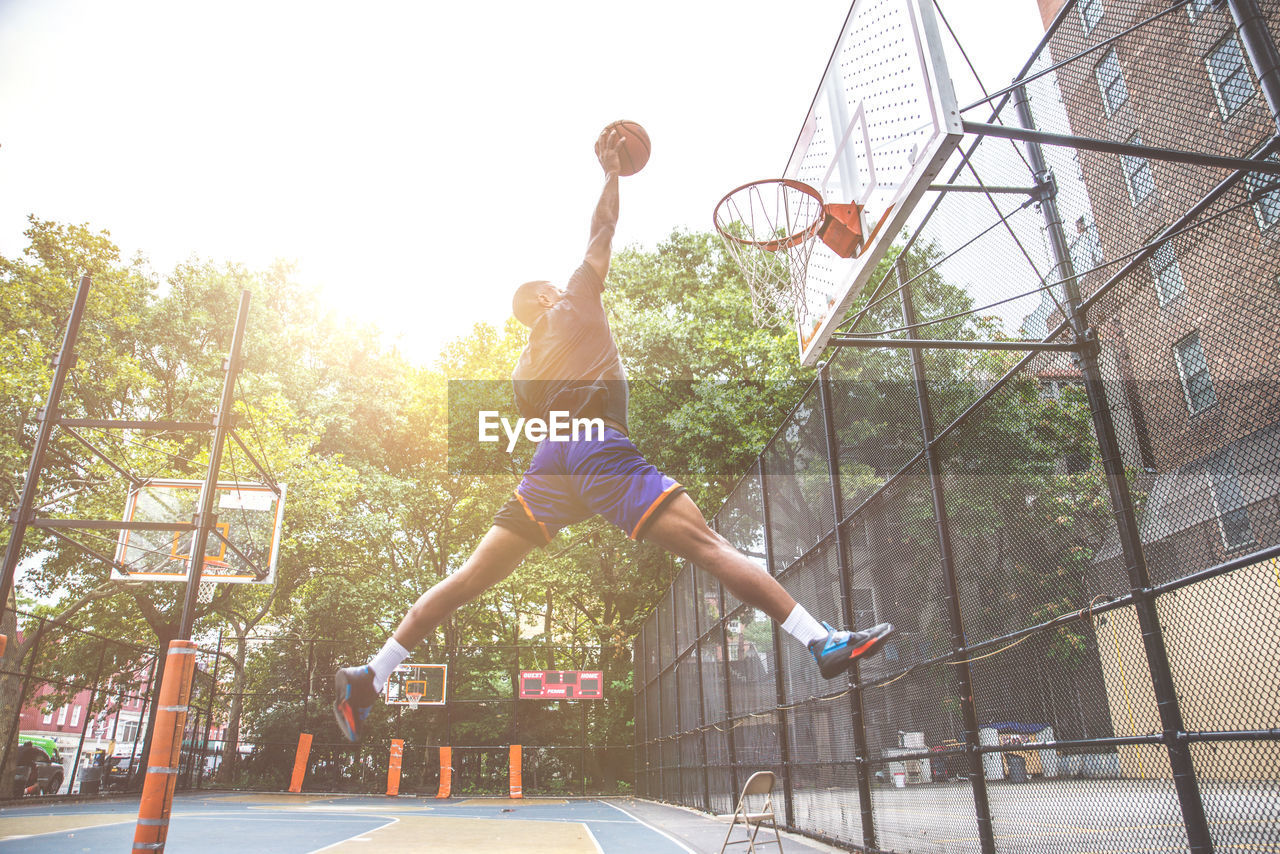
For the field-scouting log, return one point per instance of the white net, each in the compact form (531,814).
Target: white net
(768,228)
(204,595)
(414,700)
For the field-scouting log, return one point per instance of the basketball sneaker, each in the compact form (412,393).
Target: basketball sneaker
(841,648)
(353,698)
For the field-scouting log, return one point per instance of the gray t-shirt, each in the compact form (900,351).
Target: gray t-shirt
(571,362)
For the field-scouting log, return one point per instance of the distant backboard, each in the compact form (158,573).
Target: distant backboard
(425,681)
(561,684)
(244,551)
(883,123)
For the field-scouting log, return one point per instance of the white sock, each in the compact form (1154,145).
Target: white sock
(803,627)
(387,660)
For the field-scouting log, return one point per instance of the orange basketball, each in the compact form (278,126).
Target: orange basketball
(634,152)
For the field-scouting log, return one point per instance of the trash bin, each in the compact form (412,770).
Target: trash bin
(91,780)
(1017,768)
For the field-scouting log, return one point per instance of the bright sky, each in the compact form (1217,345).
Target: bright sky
(416,160)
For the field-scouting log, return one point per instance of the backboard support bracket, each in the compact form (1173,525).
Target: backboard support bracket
(1130,149)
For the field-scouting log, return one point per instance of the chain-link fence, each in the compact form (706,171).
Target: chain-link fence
(1076,539)
(91,696)
(281,687)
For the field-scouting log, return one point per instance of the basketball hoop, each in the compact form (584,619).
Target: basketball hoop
(204,594)
(768,227)
(414,699)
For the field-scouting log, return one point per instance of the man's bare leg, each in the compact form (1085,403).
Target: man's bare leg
(680,529)
(499,553)
(356,688)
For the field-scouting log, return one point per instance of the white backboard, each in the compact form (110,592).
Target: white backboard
(878,131)
(250,516)
(429,682)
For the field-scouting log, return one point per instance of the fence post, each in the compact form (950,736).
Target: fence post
(147,709)
(1258,45)
(933,464)
(779,680)
(675,681)
(208,718)
(728,682)
(93,695)
(702,700)
(1184,775)
(857,712)
(23,687)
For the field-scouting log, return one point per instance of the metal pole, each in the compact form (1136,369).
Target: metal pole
(142,718)
(734,782)
(857,711)
(206,518)
(46,418)
(1184,775)
(955,616)
(208,719)
(1261,50)
(702,701)
(779,678)
(1131,149)
(93,695)
(23,687)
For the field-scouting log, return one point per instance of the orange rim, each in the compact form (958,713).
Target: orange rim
(775,244)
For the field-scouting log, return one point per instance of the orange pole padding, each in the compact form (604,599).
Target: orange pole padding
(166,747)
(517,790)
(446,772)
(4,642)
(393,769)
(300,762)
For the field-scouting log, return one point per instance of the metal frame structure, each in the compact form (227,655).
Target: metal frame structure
(1175,738)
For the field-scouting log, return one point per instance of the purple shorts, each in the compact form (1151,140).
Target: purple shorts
(571,481)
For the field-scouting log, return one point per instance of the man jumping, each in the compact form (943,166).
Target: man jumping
(571,364)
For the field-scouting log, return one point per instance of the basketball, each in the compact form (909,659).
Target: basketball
(634,152)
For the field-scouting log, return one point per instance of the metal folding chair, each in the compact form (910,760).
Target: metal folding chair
(759,783)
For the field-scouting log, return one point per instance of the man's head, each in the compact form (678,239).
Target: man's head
(532,299)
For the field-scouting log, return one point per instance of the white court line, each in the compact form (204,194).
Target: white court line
(592,836)
(354,837)
(77,829)
(657,830)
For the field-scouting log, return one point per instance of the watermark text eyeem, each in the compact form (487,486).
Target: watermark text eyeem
(558,428)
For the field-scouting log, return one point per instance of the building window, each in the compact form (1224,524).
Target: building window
(1090,14)
(62,716)
(1137,175)
(1197,9)
(1266,205)
(1111,81)
(1166,273)
(1229,502)
(48,717)
(75,716)
(129,732)
(1230,75)
(1197,385)
(1086,248)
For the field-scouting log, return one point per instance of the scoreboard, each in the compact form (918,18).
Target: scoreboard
(561,684)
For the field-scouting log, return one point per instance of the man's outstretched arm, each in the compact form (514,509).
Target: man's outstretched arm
(605,218)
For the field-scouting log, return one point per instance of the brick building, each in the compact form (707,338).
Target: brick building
(117,728)
(1190,338)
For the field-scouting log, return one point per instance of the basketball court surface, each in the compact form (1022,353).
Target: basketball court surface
(298,824)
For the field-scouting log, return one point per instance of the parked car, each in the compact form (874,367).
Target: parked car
(117,771)
(48,764)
